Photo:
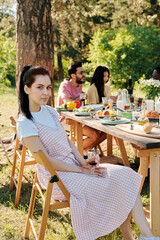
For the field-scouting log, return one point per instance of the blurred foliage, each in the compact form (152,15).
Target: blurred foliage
(74,21)
(7,60)
(77,22)
(130,51)
(7,44)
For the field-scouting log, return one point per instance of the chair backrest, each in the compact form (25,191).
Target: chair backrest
(41,158)
(13,124)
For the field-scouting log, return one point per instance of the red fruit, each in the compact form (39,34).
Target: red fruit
(105,113)
(78,103)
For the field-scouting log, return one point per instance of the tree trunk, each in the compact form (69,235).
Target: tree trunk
(34,42)
(59,57)
(60,67)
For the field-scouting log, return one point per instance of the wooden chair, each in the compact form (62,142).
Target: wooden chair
(47,206)
(19,154)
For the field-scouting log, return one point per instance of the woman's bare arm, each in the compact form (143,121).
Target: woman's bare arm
(35,144)
(76,153)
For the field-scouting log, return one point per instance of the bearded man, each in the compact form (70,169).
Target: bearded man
(70,90)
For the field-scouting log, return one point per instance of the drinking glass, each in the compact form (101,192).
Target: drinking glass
(93,158)
(126,106)
(105,101)
(159,122)
(82,98)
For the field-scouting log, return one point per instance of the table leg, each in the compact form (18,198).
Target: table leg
(109,145)
(122,149)
(71,123)
(78,128)
(143,169)
(72,133)
(155,192)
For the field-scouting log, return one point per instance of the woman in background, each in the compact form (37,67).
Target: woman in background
(99,86)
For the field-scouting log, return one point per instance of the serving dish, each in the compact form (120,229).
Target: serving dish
(109,122)
(82,114)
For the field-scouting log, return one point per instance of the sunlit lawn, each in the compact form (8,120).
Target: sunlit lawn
(12,220)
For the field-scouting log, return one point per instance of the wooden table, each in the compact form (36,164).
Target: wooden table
(148,151)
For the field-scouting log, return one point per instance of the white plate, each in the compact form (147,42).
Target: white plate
(109,122)
(95,106)
(82,113)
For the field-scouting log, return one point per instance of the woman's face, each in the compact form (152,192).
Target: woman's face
(106,77)
(39,92)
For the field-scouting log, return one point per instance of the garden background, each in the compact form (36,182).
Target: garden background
(122,35)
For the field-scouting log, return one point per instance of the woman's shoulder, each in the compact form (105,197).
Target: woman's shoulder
(92,87)
(25,127)
(24,121)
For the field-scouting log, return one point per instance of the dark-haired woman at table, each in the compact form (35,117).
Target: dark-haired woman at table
(99,86)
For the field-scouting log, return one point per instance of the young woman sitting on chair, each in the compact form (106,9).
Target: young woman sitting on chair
(101,201)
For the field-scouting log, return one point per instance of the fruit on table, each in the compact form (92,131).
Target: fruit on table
(78,103)
(99,113)
(111,112)
(105,113)
(147,128)
(71,105)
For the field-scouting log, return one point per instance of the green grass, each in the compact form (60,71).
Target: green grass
(13,220)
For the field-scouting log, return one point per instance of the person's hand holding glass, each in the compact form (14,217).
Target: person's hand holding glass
(93,159)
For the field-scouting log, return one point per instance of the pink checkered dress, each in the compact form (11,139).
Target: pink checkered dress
(98,205)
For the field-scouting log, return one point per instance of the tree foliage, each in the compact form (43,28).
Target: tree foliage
(75,22)
(72,27)
(129,51)
(7,43)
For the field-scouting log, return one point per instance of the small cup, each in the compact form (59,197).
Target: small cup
(93,157)
(105,101)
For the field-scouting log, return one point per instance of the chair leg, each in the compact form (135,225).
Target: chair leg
(100,149)
(31,209)
(14,164)
(45,211)
(20,176)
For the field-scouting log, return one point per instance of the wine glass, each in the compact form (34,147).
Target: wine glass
(93,158)
(82,98)
(105,101)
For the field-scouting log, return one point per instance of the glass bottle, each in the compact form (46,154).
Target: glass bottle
(124,98)
(128,104)
(130,90)
(119,95)
(143,111)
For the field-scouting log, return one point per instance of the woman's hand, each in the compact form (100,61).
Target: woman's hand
(86,164)
(96,173)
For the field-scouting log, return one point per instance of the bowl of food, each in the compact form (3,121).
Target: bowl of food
(153,116)
(127,115)
(142,120)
